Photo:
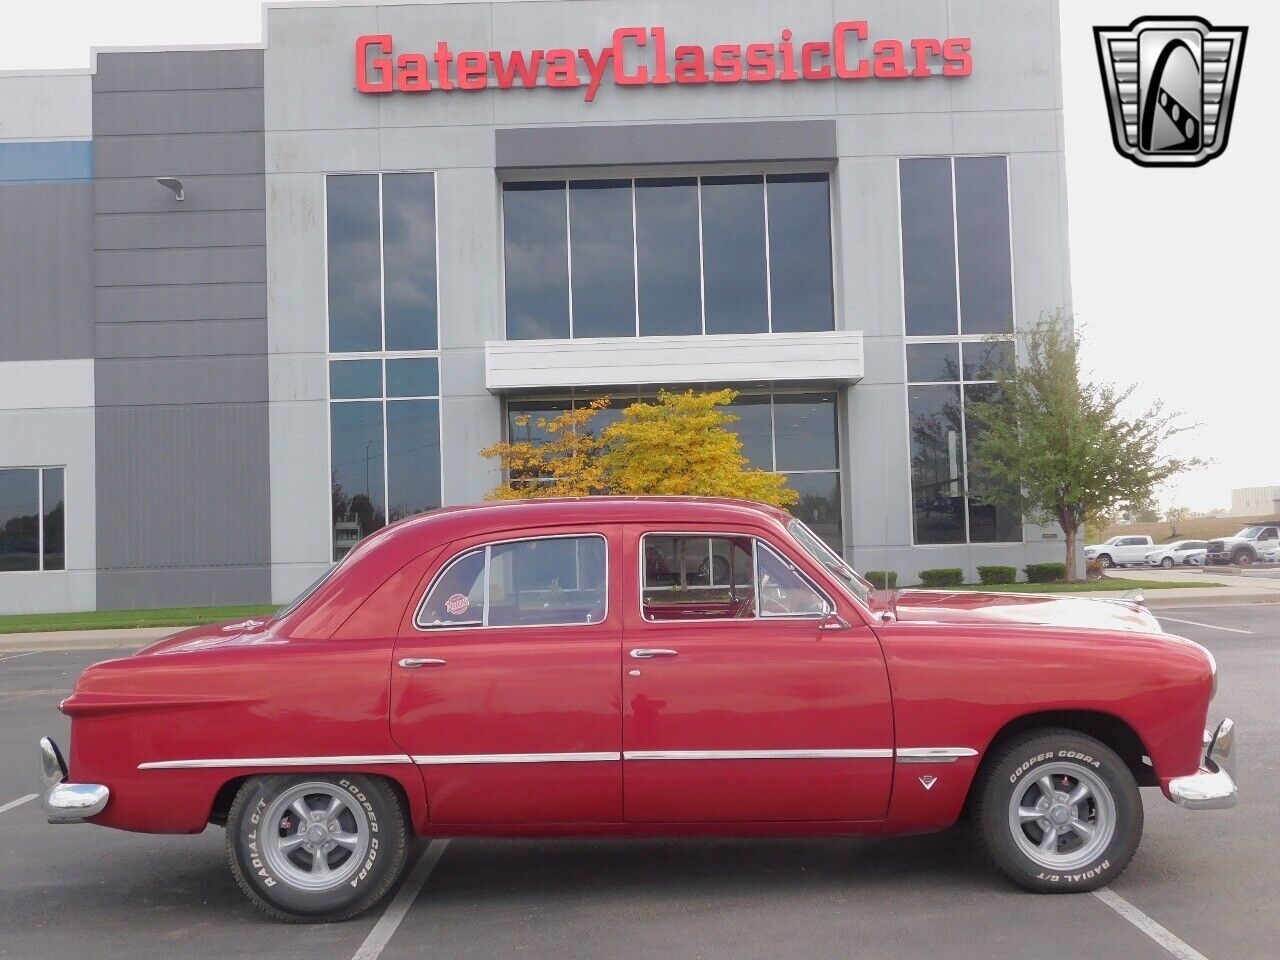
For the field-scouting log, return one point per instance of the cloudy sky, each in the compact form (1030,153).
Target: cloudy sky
(1173,270)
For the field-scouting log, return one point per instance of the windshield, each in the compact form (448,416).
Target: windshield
(1249,533)
(817,549)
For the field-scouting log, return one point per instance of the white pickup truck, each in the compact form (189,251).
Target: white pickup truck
(1255,542)
(1120,551)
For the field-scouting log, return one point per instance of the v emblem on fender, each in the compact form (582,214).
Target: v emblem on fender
(928,782)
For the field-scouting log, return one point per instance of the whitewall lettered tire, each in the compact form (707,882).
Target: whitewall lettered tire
(1058,812)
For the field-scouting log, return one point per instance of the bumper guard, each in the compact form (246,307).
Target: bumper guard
(1213,786)
(64,802)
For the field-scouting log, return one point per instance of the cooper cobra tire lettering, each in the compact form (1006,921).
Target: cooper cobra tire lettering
(1005,774)
(389,833)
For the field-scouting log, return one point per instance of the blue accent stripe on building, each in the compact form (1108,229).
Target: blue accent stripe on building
(41,161)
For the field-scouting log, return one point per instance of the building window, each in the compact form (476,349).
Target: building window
(668,256)
(381,262)
(384,377)
(947,496)
(32,503)
(794,434)
(384,449)
(956,265)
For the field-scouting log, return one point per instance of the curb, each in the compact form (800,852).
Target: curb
(83,639)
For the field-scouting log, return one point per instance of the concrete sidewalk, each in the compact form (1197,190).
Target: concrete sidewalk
(83,639)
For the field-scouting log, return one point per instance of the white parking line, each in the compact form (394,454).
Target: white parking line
(1148,926)
(1197,623)
(17,655)
(385,928)
(19,802)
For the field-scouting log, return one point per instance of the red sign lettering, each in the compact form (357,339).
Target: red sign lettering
(642,56)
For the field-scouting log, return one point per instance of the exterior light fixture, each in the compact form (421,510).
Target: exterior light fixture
(173,183)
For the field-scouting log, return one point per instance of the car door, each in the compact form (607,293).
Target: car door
(740,701)
(1133,550)
(505,687)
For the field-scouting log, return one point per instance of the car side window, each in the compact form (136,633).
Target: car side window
(1268,534)
(783,590)
(456,599)
(697,577)
(542,581)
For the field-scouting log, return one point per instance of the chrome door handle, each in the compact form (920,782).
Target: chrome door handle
(412,663)
(648,653)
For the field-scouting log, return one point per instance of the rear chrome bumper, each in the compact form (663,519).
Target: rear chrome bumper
(1213,786)
(64,802)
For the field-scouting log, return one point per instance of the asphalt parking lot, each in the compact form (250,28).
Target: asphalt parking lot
(1202,885)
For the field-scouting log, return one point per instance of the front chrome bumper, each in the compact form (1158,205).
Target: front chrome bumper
(1213,786)
(64,802)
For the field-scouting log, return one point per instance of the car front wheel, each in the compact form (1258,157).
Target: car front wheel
(1104,561)
(1167,563)
(1242,558)
(1058,812)
(318,847)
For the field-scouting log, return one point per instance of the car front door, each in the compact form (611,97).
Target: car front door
(741,702)
(505,687)
(1133,550)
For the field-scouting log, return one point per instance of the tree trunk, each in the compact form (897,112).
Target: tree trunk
(1070,530)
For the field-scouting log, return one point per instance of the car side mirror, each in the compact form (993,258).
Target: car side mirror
(831,620)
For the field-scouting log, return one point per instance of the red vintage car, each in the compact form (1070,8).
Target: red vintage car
(637,667)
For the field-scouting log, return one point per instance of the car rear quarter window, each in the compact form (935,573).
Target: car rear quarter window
(542,581)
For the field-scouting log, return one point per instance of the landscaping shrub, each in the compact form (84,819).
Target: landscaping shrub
(883,579)
(997,574)
(1045,572)
(1093,570)
(942,577)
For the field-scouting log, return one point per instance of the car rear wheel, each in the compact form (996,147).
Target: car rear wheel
(1058,812)
(318,847)
(1167,563)
(1104,560)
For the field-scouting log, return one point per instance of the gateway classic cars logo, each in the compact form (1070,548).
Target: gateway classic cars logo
(1170,84)
(643,56)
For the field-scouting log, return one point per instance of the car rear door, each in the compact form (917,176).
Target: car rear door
(505,687)
(739,703)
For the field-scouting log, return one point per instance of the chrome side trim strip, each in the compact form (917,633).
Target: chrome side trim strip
(440,759)
(361,761)
(757,754)
(934,754)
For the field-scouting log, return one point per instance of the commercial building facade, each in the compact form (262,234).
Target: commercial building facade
(408,231)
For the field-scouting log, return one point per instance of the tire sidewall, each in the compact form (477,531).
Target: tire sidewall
(245,826)
(1105,561)
(1019,767)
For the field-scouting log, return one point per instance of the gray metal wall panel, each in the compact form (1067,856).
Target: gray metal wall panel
(155,267)
(180,228)
(182,338)
(638,144)
(183,492)
(182,587)
(180,310)
(178,70)
(220,301)
(144,195)
(46,271)
(150,381)
(178,154)
(178,111)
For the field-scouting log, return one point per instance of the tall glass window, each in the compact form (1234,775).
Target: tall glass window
(31,519)
(794,434)
(948,495)
(384,379)
(668,256)
(956,263)
(384,429)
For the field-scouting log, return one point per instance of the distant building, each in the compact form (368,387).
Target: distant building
(1255,501)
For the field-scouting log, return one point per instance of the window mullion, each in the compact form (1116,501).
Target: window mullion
(702,270)
(40,518)
(568,253)
(768,258)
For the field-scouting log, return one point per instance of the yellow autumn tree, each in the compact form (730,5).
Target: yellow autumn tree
(676,445)
(566,465)
(679,445)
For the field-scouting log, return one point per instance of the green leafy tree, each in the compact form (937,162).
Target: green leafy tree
(1058,445)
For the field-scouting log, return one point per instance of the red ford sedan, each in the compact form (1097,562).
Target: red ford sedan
(637,667)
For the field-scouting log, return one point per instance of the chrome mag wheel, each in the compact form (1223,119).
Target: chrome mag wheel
(1064,818)
(315,836)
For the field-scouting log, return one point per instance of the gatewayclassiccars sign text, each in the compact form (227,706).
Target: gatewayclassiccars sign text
(640,56)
